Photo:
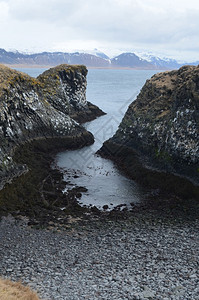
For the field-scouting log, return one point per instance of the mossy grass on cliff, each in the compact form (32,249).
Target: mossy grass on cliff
(52,72)
(162,124)
(9,78)
(133,166)
(36,121)
(50,79)
(39,191)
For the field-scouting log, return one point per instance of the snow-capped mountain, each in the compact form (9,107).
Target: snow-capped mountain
(95,52)
(160,61)
(93,59)
(53,58)
(164,63)
(131,60)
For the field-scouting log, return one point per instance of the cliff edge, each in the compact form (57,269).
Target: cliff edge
(42,108)
(161,127)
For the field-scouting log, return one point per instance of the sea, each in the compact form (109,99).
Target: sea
(107,187)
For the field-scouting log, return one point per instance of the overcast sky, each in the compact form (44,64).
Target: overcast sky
(170,27)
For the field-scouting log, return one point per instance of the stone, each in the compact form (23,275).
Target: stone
(105,207)
(161,275)
(110,264)
(147,293)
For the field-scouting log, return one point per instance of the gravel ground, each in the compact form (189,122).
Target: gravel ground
(137,258)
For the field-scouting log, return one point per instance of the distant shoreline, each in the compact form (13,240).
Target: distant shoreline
(51,66)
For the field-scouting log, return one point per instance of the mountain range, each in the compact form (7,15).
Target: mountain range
(96,59)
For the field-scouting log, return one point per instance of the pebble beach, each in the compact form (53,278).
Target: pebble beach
(139,257)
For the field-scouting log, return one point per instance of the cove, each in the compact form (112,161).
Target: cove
(112,91)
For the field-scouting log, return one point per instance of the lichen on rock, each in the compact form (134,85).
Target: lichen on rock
(65,90)
(40,108)
(162,124)
(65,87)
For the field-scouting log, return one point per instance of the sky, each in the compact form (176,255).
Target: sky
(168,28)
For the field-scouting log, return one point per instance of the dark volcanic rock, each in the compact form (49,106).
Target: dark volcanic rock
(65,90)
(32,109)
(162,126)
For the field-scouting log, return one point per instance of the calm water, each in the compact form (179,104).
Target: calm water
(34,72)
(112,91)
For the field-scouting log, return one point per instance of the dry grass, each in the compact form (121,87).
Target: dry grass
(6,77)
(15,291)
(166,79)
(9,77)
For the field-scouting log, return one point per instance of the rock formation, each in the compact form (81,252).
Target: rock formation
(42,108)
(162,125)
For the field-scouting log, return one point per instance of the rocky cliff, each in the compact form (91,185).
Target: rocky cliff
(161,126)
(65,89)
(42,108)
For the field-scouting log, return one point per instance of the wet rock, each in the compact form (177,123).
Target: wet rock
(120,206)
(35,122)
(78,195)
(160,131)
(105,207)
(95,210)
(81,189)
(75,176)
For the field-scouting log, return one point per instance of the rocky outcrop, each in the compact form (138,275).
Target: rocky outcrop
(161,126)
(32,109)
(65,90)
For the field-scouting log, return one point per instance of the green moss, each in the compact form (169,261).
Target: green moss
(49,81)
(127,159)
(24,193)
(163,155)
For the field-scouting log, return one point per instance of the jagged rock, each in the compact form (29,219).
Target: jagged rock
(162,125)
(65,90)
(41,109)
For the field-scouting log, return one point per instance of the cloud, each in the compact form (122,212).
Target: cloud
(114,23)
(44,10)
(4,11)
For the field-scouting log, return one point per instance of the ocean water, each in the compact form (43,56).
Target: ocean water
(112,91)
(34,72)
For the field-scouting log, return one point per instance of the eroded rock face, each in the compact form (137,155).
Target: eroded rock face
(65,88)
(162,124)
(40,108)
